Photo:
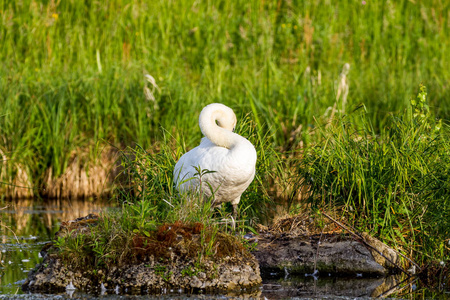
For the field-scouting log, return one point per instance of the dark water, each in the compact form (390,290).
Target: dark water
(26,226)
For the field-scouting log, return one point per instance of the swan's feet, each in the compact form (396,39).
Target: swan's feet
(235,210)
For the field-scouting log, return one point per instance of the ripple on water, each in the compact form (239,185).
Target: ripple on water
(34,222)
(40,222)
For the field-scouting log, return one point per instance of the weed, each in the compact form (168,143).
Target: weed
(250,246)
(391,184)
(189,271)
(166,277)
(285,77)
(160,270)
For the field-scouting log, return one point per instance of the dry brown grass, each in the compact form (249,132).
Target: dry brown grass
(185,240)
(305,223)
(15,178)
(84,177)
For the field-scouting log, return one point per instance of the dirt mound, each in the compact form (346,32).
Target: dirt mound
(170,257)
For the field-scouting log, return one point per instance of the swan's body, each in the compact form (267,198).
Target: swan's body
(231,157)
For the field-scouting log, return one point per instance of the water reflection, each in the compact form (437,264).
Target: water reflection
(302,286)
(26,213)
(35,223)
(27,225)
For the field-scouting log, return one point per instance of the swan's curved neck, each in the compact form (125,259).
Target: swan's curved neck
(222,136)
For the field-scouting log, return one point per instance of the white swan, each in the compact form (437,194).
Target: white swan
(231,157)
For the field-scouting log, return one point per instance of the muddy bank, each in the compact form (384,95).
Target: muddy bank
(294,245)
(279,254)
(149,277)
(170,257)
(328,254)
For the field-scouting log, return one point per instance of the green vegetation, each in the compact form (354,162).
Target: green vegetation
(395,184)
(186,227)
(72,73)
(72,80)
(147,178)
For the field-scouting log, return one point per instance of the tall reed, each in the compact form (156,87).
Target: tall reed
(74,69)
(394,184)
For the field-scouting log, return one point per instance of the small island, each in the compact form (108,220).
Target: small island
(190,258)
(185,257)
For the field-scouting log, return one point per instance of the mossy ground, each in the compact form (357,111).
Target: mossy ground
(78,244)
(182,256)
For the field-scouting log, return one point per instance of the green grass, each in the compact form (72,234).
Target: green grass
(394,184)
(72,78)
(151,221)
(147,177)
(76,70)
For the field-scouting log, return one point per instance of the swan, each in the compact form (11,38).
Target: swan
(230,157)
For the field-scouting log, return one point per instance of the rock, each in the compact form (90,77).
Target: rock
(52,276)
(150,273)
(294,244)
(336,254)
(389,255)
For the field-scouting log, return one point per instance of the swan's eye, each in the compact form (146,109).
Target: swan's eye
(234,128)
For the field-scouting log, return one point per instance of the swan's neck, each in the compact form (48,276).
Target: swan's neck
(212,115)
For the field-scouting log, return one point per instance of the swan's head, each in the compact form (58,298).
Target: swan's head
(219,114)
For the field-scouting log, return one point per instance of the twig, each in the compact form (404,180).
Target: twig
(354,230)
(18,186)
(359,237)
(15,236)
(395,289)
(317,250)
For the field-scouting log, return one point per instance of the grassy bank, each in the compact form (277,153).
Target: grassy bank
(394,184)
(72,81)
(75,71)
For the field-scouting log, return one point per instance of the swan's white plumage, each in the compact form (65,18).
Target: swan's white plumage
(231,156)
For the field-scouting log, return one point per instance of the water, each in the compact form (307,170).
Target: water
(32,223)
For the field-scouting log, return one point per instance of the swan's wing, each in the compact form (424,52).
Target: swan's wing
(233,172)
(206,156)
